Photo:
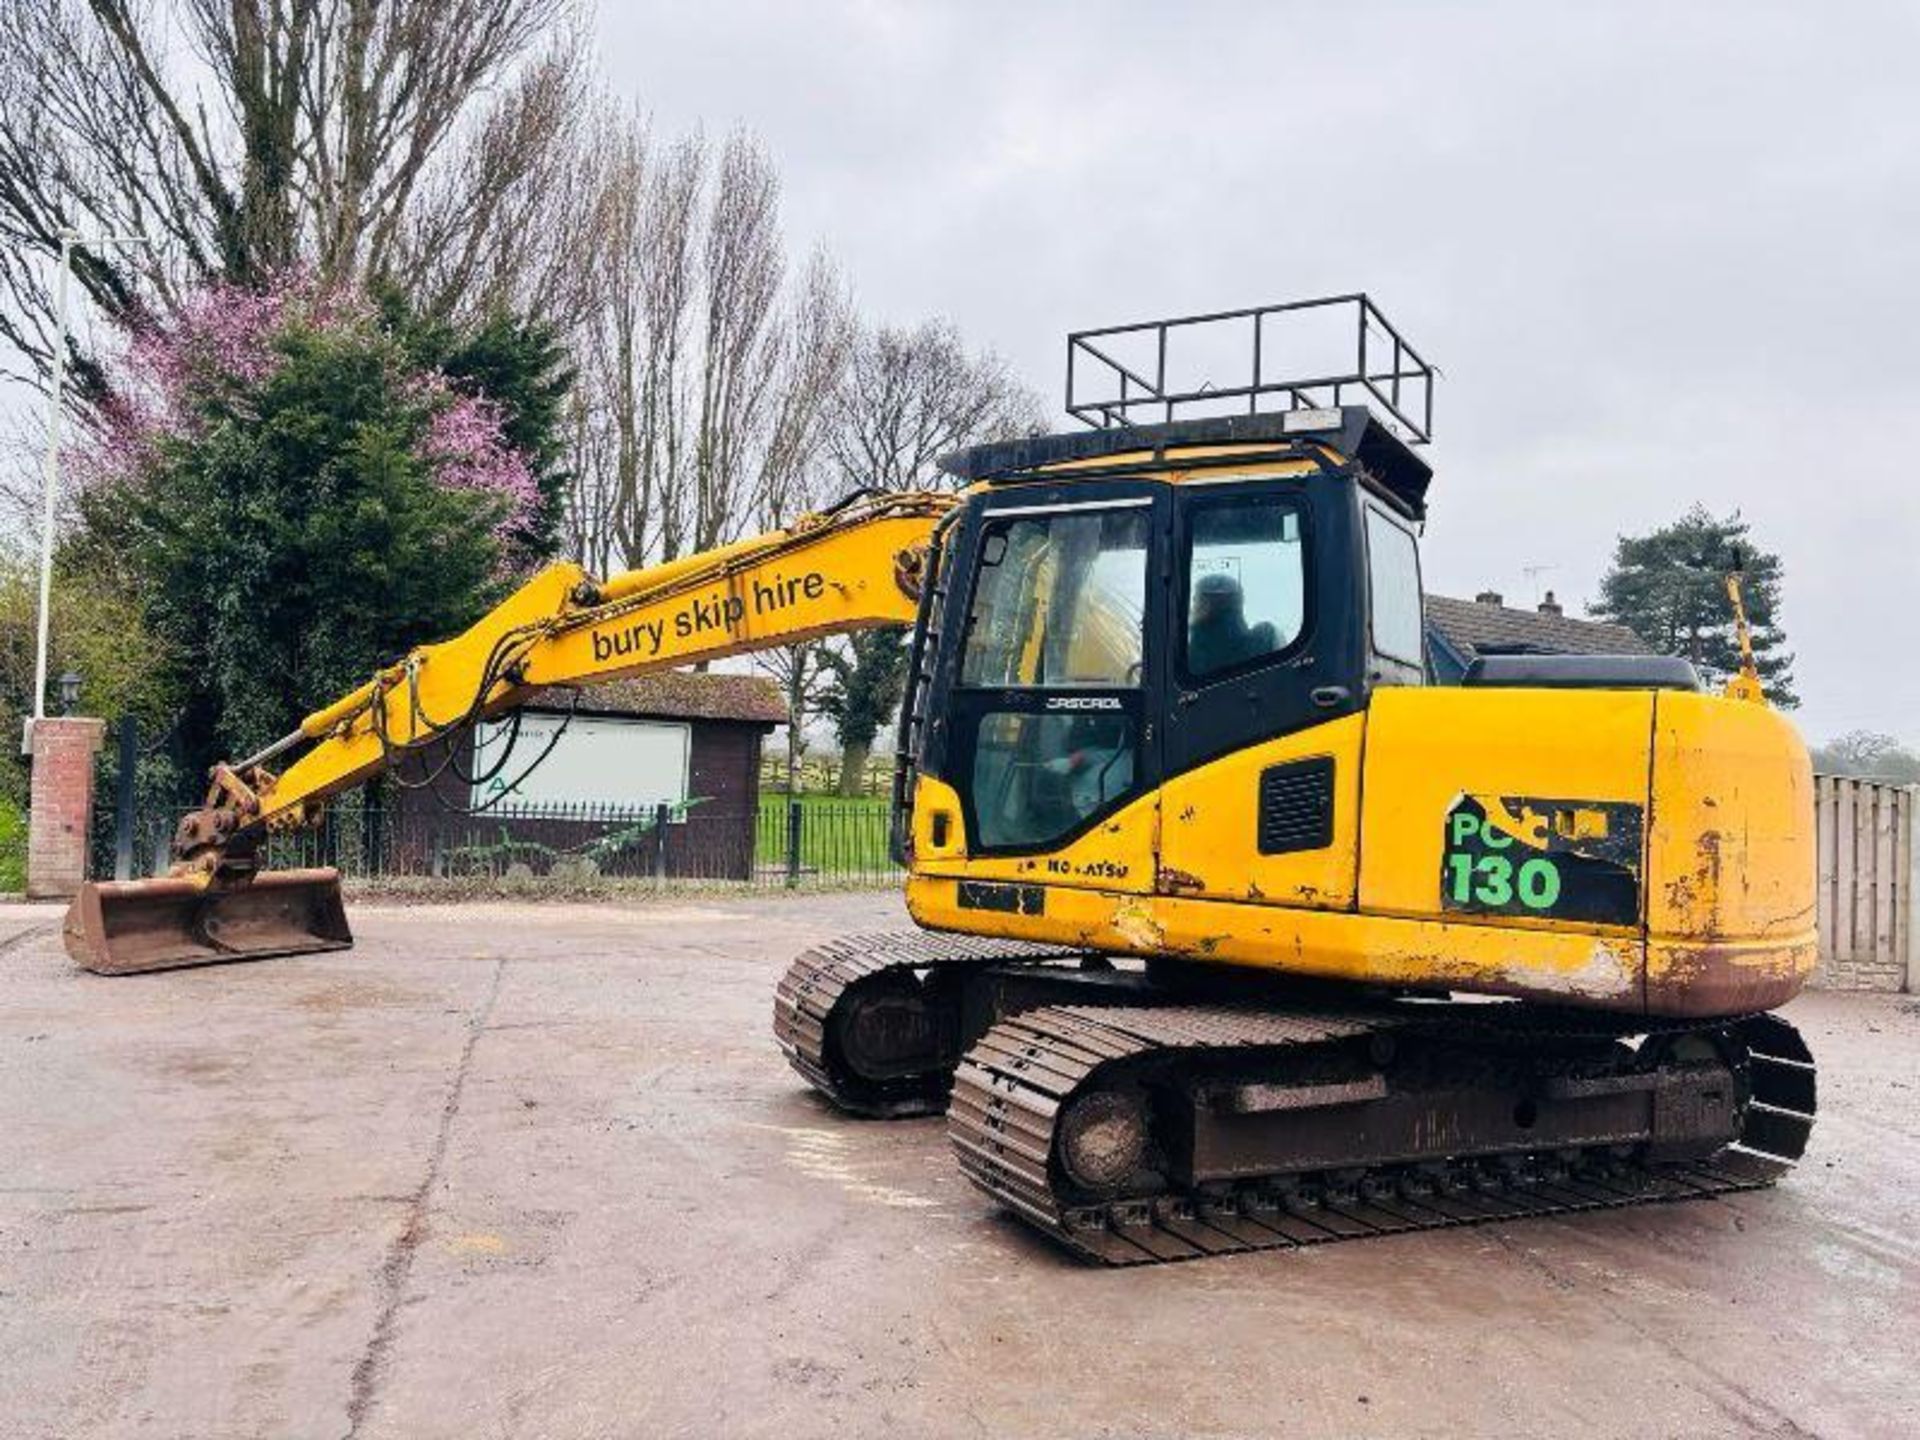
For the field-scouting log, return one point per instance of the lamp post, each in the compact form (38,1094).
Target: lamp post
(69,693)
(69,239)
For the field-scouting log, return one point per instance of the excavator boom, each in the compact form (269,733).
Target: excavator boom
(856,565)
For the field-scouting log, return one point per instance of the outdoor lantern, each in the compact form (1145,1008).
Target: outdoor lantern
(69,692)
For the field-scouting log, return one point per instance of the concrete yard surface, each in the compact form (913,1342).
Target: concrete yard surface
(519,1170)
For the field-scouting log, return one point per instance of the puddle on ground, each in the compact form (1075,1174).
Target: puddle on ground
(826,1155)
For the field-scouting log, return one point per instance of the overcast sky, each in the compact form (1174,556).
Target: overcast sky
(1662,253)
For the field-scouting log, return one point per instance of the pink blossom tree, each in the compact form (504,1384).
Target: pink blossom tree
(298,491)
(206,364)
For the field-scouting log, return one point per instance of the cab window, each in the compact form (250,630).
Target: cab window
(1246,584)
(1059,607)
(1393,586)
(1060,600)
(1037,777)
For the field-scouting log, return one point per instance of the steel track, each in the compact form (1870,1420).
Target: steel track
(828,976)
(1012,1086)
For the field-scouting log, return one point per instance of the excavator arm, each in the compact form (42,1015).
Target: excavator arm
(855,565)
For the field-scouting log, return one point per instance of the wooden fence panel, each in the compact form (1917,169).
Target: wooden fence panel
(1824,829)
(1864,841)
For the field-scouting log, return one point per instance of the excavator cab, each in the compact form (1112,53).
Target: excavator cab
(1108,620)
(1206,566)
(1169,698)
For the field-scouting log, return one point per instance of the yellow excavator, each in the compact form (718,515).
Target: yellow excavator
(1238,933)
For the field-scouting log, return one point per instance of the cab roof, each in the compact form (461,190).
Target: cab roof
(1350,431)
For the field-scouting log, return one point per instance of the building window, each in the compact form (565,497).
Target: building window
(599,761)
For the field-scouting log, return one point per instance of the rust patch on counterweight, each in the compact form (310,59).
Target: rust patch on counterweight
(1711,979)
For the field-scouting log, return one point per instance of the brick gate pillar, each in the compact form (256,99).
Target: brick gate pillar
(60,827)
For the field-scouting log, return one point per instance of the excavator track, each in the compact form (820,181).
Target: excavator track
(893,979)
(1017,1085)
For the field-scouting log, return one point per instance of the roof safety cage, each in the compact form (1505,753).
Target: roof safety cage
(1299,355)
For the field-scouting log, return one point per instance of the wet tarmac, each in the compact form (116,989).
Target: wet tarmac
(539,1171)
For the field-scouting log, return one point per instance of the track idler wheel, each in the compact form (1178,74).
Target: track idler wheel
(1104,1140)
(892,1029)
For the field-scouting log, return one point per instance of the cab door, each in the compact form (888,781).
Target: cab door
(1266,720)
(1044,727)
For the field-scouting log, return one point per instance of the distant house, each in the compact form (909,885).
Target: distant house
(1460,631)
(679,743)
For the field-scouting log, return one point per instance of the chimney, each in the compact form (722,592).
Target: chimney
(1551,606)
(1487,597)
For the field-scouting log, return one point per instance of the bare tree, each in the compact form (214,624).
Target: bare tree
(244,136)
(85,146)
(386,89)
(804,674)
(668,235)
(1868,753)
(741,270)
(708,370)
(588,530)
(910,396)
(510,220)
(642,248)
(813,345)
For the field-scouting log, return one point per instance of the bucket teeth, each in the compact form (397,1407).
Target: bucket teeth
(126,927)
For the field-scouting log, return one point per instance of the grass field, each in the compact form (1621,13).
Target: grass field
(837,837)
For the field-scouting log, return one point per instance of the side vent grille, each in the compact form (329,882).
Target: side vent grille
(1296,806)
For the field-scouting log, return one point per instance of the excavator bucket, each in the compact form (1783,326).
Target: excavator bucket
(123,927)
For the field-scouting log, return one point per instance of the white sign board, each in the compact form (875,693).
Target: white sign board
(610,762)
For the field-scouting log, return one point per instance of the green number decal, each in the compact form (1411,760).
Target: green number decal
(1541,858)
(1496,880)
(1460,868)
(1539,884)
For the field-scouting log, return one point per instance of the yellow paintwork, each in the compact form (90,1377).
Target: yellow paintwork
(1179,465)
(1731,919)
(1731,903)
(349,748)
(936,812)
(840,580)
(1508,955)
(1117,854)
(1211,818)
(1425,746)
(1744,683)
(1340,945)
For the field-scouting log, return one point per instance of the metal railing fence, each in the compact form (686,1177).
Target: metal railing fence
(780,843)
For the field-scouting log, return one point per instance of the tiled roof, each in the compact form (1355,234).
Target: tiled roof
(1475,628)
(681,695)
